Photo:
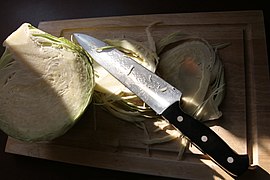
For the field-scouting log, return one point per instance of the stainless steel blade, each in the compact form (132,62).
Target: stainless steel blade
(153,90)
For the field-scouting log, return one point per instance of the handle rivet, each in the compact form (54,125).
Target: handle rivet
(204,138)
(180,118)
(230,160)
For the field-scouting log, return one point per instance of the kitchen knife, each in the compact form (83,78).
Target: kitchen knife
(164,99)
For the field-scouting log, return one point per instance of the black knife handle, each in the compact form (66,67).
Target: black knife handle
(207,140)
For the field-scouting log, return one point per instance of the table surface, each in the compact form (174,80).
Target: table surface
(14,13)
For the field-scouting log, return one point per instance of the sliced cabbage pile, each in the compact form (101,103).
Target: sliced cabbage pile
(46,83)
(193,66)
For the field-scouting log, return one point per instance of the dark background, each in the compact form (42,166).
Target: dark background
(13,13)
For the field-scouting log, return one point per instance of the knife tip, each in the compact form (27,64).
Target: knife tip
(76,34)
(78,37)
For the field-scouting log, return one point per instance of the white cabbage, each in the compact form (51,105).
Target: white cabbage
(46,83)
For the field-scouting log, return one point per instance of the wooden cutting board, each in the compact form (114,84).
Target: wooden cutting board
(101,140)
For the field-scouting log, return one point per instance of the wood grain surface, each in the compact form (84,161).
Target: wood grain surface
(101,140)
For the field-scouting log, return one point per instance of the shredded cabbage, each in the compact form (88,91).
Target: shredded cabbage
(193,66)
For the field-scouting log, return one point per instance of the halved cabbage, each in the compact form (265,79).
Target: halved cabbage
(46,83)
